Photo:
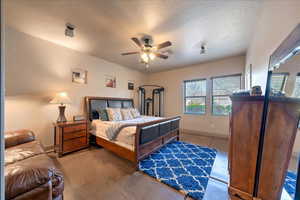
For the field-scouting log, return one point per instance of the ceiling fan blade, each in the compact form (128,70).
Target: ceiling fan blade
(161,55)
(167,51)
(130,53)
(163,45)
(137,42)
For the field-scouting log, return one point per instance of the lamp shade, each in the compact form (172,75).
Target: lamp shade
(61,98)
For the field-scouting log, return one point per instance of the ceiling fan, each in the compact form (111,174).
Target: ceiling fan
(148,52)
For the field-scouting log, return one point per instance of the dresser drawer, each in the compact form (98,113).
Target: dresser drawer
(73,128)
(74,144)
(76,134)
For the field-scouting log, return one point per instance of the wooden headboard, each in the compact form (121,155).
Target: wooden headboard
(92,104)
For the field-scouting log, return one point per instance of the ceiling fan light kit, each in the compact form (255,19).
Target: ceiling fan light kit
(148,52)
(147,56)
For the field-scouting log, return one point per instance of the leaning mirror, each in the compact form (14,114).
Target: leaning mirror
(285,82)
(283,99)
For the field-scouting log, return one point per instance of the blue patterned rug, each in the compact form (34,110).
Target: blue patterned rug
(290,183)
(185,167)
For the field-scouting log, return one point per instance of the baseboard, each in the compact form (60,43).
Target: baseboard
(201,133)
(49,149)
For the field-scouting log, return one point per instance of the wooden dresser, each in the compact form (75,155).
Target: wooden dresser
(245,122)
(281,129)
(70,136)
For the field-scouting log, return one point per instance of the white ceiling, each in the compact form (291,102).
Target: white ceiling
(104,27)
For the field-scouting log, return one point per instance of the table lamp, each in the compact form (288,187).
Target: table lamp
(62,99)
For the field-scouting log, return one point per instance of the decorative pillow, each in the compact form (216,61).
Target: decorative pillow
(135,112)
(114,114)
(102,114)
(95,114)
(126,114)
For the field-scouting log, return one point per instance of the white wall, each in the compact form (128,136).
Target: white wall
(37,69)
(172,80)
(277,20)
(2,68)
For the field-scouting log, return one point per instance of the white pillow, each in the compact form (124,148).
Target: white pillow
(126,114)
(114,114)
(135,113)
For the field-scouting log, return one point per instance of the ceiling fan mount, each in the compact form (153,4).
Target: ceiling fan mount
(147,40)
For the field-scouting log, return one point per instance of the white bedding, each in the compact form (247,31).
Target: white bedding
(126,135)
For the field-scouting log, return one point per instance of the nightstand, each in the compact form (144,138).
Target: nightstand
(70,136)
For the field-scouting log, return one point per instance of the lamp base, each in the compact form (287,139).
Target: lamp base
(61,117)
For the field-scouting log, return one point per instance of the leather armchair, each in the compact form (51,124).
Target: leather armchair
(29,172)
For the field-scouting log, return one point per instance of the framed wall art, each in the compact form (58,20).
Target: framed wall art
(79,76)
(110,81)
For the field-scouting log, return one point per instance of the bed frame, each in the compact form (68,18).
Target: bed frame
(150,136)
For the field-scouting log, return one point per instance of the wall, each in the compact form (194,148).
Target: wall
(173,82)
(2,34)
(277,20)
(37,69)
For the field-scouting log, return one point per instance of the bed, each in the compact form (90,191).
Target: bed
(135,142)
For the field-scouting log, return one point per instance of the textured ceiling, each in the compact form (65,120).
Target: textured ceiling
(104,27)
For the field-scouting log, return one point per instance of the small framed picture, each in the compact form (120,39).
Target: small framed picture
(110,81)
(130,85)
(79,76)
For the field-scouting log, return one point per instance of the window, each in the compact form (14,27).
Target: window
(278,81)
(296,92)
(222,88)
(195,96)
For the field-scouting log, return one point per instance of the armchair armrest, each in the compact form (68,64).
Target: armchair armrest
(13,138)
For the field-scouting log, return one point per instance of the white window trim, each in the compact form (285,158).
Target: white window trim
(212,91)
(184,97)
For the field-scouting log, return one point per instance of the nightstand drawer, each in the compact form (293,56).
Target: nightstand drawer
(76,134)
(70,136)
(73,128)
(74,144)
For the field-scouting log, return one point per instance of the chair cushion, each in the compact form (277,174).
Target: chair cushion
(22,151)
(25,175)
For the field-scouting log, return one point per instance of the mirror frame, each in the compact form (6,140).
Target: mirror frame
(286,50)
